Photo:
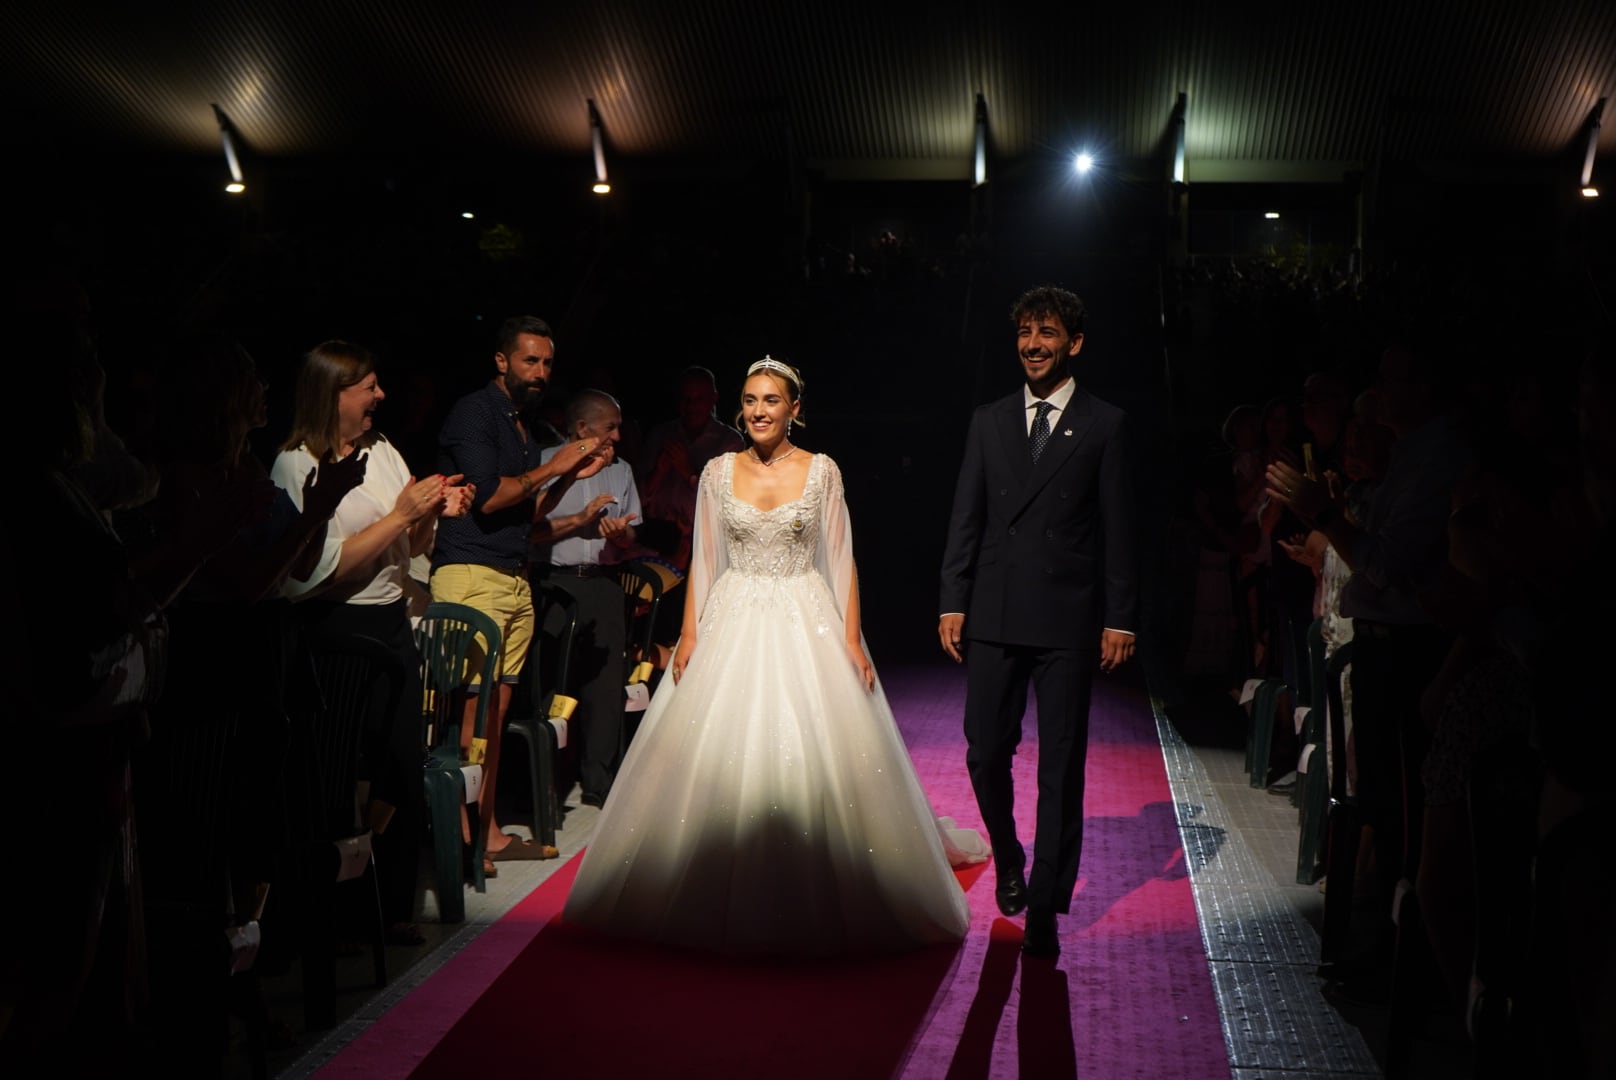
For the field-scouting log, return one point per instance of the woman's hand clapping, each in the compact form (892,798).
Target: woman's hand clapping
(458,497)
(420,499)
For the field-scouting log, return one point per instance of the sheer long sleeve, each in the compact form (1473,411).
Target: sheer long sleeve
(834,557)
(709,557)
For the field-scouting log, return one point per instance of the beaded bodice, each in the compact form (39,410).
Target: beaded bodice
(778,542)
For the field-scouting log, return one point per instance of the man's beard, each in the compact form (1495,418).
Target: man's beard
(525,393)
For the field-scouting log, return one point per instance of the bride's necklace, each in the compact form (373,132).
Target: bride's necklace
(770,463)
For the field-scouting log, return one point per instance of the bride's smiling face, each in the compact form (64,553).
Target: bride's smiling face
(766,408)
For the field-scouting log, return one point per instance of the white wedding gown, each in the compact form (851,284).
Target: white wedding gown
(768,804)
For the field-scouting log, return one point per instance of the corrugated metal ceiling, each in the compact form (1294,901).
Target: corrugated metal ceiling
(870,86)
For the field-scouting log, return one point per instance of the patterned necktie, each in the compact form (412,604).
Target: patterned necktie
(1038,437)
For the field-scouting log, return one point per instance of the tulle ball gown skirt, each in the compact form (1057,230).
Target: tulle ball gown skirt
(768,804)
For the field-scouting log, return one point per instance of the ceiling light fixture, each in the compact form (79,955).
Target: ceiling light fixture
(237,183)
(1272,215)
(1587,184)
(1084,162)
(598,143)
(1179,110)
(979,173)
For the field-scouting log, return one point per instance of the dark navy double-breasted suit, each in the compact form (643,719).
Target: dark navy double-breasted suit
(1040,558)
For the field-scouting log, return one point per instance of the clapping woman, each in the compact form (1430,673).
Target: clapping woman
(357,587)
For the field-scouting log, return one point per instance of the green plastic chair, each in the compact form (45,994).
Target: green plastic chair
(642,597)
(1260,740)
(445,637)
(535,732)
(351,673)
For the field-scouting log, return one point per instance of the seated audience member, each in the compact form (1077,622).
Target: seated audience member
(585,526)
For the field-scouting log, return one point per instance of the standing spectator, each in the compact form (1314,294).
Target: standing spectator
(1398,551)
(481,560)
(358,588)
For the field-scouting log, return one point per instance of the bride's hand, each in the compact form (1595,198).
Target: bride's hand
(681,657)
(855,652)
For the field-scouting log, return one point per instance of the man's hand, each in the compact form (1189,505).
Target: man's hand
(574,453)
(329,483)
(1288,487)
(617,529)
(950,628)
(597,506)
(603,455)
(1307,549)
(1115,649)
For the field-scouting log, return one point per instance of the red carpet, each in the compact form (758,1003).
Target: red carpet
(1129,997)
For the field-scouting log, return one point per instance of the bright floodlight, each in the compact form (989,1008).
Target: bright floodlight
(602,188)
(467,214)
(1085,162)
(235,187)
(1272,215)
(1590,192)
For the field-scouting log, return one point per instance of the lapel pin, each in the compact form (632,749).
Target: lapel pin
(1068,431)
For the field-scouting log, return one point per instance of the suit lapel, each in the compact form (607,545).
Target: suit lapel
(1012,424)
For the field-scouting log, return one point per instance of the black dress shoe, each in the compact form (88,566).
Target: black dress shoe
(1012,894)
(1040,937)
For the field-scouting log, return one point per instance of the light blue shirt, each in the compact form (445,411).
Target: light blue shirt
(588,546)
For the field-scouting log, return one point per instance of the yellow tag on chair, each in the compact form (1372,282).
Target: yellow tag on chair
(642,673)
(561,706)
(477,752)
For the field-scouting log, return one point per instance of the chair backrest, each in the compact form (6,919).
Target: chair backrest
(1318,700)
(447,637)
(642,595)
(1338,726)
(357,675)
(556,671)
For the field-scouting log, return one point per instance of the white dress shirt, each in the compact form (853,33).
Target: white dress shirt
(1061,398)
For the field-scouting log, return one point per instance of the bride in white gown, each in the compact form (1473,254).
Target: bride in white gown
(767,804)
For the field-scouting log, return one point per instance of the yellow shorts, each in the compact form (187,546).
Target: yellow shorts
(502,595)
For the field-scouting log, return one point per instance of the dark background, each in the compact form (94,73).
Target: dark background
(891,292)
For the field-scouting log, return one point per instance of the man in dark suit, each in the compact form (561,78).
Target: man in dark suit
(1039,576)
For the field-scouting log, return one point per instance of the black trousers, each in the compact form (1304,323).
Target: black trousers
(596,676)
(997,678)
